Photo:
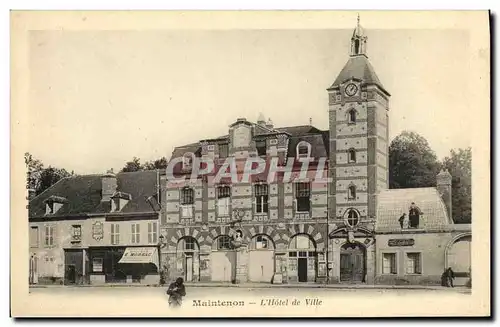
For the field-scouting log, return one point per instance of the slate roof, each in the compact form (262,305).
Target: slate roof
(318,139)
(394,202)
(83,194)
(358,67)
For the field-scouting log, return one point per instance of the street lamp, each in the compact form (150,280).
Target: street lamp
(160,246)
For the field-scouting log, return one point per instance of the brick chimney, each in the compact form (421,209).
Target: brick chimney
(109,185)
(443,185)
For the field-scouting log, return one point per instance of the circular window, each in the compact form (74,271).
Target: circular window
(351,217)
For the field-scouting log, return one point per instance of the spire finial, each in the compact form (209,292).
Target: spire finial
(358,19)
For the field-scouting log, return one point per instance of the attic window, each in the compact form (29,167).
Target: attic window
(261,147)
(53,204)
(119,200)
(303,150)
(187,160)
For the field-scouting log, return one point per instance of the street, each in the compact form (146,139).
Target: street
(228,301)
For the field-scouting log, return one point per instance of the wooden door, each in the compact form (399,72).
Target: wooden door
(302,269)
(352,263)
(189,269)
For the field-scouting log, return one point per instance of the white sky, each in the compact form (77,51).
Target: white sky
(99,98)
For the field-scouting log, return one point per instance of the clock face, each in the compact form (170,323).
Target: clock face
(351,89)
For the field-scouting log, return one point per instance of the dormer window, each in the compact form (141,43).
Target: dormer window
(187,161)
(303,150)
(351,156)
(351,116)
(53,204)
(119,200)
(261,147)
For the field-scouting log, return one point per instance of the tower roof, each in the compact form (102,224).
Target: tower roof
(358,67)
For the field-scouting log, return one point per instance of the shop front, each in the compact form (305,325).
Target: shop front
(124,265)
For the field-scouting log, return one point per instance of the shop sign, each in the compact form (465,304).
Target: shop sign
(97,231)
(401,242)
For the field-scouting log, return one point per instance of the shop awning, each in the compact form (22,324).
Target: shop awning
(140,255)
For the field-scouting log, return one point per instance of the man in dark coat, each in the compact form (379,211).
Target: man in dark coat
(450,276)
(414,215)
(176,290)
(402,220)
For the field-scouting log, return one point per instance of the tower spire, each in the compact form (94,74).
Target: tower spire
(358,40)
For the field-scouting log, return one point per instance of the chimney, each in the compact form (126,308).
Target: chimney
(443,185)
(109,185)
(269,124)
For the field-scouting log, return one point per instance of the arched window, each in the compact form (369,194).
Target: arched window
(352,217)
(303,150)
(356,47)
(351,155)
(351,192)
(351,116)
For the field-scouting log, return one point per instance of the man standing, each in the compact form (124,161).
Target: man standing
(450,276)
(414,215)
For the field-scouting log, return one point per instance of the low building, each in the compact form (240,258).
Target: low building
(96,229)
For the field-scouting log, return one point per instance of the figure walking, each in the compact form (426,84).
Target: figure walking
(402,220)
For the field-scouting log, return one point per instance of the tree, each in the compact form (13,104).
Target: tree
(156,164)
(458,164)
(412,162)
(49,176)
(133,165)
(39,178)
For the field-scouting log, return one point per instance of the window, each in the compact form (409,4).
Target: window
(351,116)
(189,244)
(187,160)
(136,234)
(115,234)
(413,263)
(261,147)
(389,263)
(116,202)
(261,242)
(223,150)
(224,243)
(49,235)
(34,237)
(223,200)
(303,197)
(261,198)
(351,155)
(187,196)
(352,217)
(152,232)
(76,232)
(351,192)
(303,150)
(49,208)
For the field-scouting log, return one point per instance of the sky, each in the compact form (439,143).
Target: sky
(99,98)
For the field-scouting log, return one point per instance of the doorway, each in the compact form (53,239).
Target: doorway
(70,274)
(189,268)
(302,269)
(352,263)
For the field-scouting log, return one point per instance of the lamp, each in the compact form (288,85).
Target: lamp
(161,238)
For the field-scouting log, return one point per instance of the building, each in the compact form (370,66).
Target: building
(346,230)
(96,229)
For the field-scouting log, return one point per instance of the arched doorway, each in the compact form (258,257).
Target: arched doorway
(301,259)
(261,259)
(188,257)
(223,259)
(352,263)
(458,257)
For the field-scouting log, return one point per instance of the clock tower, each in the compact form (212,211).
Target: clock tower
(359,119)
